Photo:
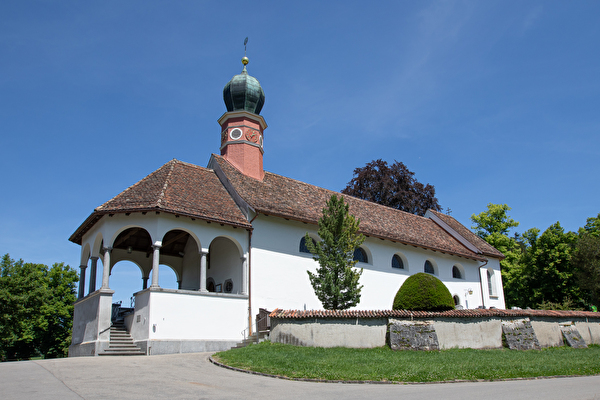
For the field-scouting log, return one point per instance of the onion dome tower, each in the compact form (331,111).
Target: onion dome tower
(242,127)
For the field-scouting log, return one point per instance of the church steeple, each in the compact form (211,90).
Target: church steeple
(242,127)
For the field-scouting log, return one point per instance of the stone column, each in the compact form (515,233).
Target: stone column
(144,282)
(203,255)
(92,287)
(106,267)
(155,263)
(81,281)
(244,275)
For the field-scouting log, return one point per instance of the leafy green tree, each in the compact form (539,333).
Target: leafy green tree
(548,275)
(336,281)
(57,310)
(36,308)
(592,227)
(586,261)
(393,186)
(493,226)
(494,221)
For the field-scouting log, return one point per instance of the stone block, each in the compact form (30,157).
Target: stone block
(413,335)
(573,337)
(519,335)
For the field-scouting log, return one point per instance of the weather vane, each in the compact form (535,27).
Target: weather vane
(245,59)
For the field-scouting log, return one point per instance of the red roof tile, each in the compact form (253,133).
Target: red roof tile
(474,313)
(177,188)
(189,190)
(288,198)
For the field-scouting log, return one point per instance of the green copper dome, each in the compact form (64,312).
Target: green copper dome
(243,93)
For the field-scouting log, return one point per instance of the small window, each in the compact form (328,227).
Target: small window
(429,268)
(303,247)
(228,286)
(397,262)
(456,272)
(360,255)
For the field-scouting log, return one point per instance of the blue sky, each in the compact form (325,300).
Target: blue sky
(489,101)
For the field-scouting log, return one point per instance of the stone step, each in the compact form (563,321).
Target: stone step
(119,335)
(113,345)
(122,353)
(121,343)
(253,339)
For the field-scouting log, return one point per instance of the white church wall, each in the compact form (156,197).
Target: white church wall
(496,298)
(189,316)
(138,323)
(278,270)
(280,280)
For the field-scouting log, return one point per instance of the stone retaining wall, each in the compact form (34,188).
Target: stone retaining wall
(478,329)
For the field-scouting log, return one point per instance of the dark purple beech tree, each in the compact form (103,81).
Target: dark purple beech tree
(393,186)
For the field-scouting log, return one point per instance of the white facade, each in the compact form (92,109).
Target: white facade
(280,280)
(194,319)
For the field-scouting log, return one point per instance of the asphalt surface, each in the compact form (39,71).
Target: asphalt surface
(192,376)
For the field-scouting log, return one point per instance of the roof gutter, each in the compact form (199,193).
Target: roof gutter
(250,276)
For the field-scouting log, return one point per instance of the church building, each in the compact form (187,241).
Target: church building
(234,236)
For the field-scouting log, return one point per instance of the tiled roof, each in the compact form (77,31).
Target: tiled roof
(288,198)
(475,313)
(177,188)
(189,190)
(478,242)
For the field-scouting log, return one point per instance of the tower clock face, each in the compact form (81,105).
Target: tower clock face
(252,136)
(235,134)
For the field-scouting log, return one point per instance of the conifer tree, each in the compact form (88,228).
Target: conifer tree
(336,281)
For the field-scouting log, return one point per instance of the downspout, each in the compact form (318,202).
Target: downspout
(250,276)
(481,284)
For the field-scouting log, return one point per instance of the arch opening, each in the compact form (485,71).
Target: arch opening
(224,266)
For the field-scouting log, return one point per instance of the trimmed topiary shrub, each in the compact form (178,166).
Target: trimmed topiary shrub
(423,292)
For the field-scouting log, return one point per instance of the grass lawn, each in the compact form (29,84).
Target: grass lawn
(384,364)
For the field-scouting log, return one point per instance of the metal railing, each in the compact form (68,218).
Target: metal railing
(262,323)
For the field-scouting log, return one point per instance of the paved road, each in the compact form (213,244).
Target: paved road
(192,376)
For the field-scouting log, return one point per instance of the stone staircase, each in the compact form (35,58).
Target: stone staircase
(255,338)
(121,342)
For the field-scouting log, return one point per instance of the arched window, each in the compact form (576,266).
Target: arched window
(456,300)
(429,268)
(210,285)
(360,255)
(456,272)
(491,285)
(397,262)
(303,248)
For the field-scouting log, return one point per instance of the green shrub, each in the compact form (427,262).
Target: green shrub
(423,292)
